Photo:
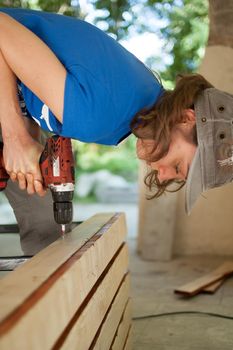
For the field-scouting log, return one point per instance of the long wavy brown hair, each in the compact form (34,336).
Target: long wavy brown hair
(158,122)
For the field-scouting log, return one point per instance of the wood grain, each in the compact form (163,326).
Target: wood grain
(123,329)
(56,282)
(86,324)
(105,335)
(129,341)
(196,286)
(212,288)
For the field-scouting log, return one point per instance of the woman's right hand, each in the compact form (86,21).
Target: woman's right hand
(21,159)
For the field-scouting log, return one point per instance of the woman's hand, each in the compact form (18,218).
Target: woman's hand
(21,158)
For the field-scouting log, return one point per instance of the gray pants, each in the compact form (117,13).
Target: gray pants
(34,215)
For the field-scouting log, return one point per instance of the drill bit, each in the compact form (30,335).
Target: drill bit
(63,230)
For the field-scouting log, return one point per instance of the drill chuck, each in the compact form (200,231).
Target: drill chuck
(63,212)
(62,205)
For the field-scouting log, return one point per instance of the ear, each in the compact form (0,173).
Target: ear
(189,116)
(189,120)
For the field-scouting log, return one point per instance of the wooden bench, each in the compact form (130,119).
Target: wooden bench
(72,295)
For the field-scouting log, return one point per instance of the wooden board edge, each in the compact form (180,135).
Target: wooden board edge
(129,340)
(83,322)
(212,288)
(47,311)
(108,328)
(194,287)
(17,308)
(122,330)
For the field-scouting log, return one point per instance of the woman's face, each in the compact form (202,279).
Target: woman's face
(176,163)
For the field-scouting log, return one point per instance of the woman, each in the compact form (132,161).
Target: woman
(78,82)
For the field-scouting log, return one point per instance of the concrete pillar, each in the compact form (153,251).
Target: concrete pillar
(156,223)
(209,228)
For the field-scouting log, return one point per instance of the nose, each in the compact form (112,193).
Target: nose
(164,174)
(167,173)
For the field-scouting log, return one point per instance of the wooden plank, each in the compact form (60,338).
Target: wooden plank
(105,334)
(196,286)
(64,290)
(123,328)
(83,327)
(129,340)
(212,288)
(30,276)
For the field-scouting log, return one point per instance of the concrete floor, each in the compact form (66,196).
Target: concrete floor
(152,293)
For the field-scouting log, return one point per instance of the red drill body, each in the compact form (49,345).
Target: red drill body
(3,174)
(57,169)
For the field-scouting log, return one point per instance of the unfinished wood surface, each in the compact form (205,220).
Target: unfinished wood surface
(65,285)
(106,333)
(196,286)
(82,330)
(212,288)
(129,342)
(123,329)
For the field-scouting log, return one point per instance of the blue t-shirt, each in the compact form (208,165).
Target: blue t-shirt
(105,84)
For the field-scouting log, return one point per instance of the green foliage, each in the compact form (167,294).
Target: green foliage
(185,33)
(60,6)
(182,25)
(15,3)
(117,14)
(119,160)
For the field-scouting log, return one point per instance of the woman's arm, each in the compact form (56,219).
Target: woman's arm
(24,55)
(21,153)
(32,61)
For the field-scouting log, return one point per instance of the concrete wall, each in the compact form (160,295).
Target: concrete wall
(209,228)
(156,223)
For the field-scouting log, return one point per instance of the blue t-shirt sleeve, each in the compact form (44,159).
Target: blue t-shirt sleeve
(88,107)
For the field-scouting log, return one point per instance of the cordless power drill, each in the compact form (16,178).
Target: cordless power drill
(57,169)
